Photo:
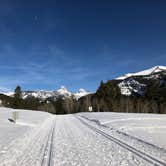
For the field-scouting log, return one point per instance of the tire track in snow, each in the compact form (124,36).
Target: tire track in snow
(135,151)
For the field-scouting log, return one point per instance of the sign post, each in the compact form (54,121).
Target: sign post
(15,116)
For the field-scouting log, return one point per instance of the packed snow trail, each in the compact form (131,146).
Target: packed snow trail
(76,144)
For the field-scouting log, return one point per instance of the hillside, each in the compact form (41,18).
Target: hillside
(144,91)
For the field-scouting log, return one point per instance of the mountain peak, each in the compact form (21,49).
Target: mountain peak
(80,93)
(63,87)
(82,90)
(146,72)
(135,82)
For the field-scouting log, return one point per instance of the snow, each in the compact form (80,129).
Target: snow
(130,85)
(150,71)
(82,146)
(21,142)
(41,139)
(64,91)
(54,94)
(8,93)
(40,94)
(148,127)
(81,93)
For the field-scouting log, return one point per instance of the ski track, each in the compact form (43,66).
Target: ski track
(48,149)
(28,149)
(75,144)
(69,140)
(138,152)
(146,147)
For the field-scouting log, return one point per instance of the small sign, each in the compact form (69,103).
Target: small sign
(90,109)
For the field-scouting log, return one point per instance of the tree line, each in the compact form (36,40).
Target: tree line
(108,98)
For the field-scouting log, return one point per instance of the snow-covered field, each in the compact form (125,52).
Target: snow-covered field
(18,140)
(27,120)
(42,139)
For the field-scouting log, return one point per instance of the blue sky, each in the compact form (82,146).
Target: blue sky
(78,43)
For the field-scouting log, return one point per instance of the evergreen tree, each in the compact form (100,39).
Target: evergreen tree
(18,93)
(17,101)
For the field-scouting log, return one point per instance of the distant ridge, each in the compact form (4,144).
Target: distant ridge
(63,92)
(150,71)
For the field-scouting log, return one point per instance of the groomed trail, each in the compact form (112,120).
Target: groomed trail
(68,140)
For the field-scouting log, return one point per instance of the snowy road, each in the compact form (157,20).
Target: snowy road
(68,140)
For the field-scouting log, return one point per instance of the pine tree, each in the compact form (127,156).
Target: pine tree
(17,101)
(18,93)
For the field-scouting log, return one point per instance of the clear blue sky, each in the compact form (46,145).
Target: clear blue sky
(48,43)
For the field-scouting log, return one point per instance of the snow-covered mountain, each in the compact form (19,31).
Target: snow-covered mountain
(136,82)
(7,93)
(80,93)
(154,71)
(131,85)
(63,93)
(40,94)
